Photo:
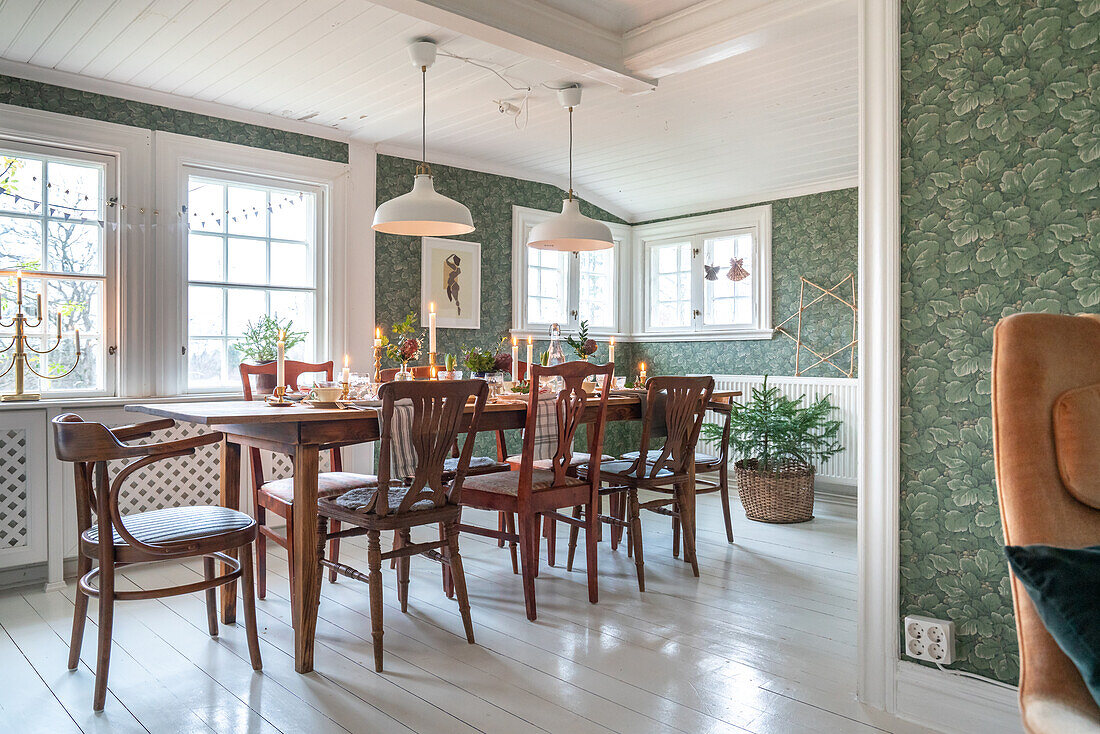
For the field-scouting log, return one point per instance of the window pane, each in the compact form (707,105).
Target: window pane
(670,285)
(547,292)
(80,303)
(73,247)
(298,307)
(292,215)
(205,205)
(245,305)
(206,364)
(247,211)
(247,261)
(205,316)
(291,264)
(205,257)
(727,302)
(20,184)
(597,287)
(74,190)
(20,243)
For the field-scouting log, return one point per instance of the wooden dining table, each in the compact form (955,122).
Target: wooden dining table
(302,432)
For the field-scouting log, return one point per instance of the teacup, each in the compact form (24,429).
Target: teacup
(321,394)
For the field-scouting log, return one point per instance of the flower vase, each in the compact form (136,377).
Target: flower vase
(404,375)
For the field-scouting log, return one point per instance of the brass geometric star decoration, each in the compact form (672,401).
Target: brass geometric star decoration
(797,336)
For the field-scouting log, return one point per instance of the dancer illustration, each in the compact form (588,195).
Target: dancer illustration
(451,271)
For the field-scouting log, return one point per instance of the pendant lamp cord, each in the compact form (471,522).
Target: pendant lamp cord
(424,115)
(571,153)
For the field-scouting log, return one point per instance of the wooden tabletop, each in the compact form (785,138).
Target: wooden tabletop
(240,412)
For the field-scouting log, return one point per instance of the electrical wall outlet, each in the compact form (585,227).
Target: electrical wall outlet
(930,639)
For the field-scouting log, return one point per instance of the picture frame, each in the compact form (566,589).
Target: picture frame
(450,277)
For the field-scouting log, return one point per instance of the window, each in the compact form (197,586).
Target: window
(251,250)
(550,286)
(687,265)
(54,227)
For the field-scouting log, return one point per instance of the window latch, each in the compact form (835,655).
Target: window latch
(183,350)
(112,349)
(573,314)
(695,252)
(697,313)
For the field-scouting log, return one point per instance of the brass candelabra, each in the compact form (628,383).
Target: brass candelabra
(24,352)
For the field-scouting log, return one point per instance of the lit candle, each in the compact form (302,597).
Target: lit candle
(78,341)
(530,355)
(378,337)
(611,351)
(345,376)
(515,360)
(19,291)
(280,356)
(431,327)
(641,373)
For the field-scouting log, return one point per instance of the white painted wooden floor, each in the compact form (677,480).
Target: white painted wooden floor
(762,642)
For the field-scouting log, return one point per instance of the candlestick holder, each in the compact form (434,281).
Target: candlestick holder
(21,359)
(377,364)
(433,369)
(280,401)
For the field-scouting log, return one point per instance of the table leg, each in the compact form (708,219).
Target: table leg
(229,496)
(305,562)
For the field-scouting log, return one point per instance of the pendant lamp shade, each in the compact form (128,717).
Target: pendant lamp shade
(423,212)
(570,231)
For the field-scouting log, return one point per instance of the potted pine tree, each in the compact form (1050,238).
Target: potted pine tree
(780,442)
(258,344)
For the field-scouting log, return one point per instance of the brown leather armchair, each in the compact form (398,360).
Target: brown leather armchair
(1037,358)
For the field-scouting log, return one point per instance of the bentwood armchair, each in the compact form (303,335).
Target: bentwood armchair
(215,533)
(1049,493)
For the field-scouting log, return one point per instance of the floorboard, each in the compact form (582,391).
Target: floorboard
(762,642)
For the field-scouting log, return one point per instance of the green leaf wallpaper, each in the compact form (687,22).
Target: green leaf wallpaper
(1000,143)
(51,98)
(815,236)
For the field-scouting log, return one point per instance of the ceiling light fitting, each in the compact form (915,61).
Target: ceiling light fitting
(570,231)
(423,212)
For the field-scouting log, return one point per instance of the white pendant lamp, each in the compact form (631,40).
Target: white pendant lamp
(423,212)
(570,231)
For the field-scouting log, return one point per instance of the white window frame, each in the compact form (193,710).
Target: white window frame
(696,230)
(523,219)
(180,156)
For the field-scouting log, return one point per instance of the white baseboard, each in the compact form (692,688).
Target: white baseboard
(954,704)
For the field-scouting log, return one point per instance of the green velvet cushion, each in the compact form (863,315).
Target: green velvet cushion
(1064,584)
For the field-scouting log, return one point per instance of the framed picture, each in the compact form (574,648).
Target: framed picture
(450,277)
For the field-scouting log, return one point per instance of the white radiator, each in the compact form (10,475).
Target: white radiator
(842,392)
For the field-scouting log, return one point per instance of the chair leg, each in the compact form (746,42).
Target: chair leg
(510,525)
(459,578)
(395,545)
(613,510)
(290,556)
(80,613)
(675,532)
(211,595)
(550,530)
(686,502)
(333,549)
(261,554)
(724,491)
(592,546)
(106,619)
(374,564)
(403,572)
(248,591)
(502,527)
(448,575)
(528,549)
(636,536)
(572,540)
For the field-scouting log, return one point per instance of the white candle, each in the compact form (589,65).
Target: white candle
(345,376)
(78,341)
(280,356)
(515,360)
(378,337)
(641,373)
(530,355)
(38,310)
(431,327)
(611,351)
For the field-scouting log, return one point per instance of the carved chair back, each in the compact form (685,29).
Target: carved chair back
(683,402)
(438,415)
(569,407)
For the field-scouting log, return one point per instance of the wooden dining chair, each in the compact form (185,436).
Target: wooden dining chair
(711,475)
(426,499)
(277,495)
(675,406)
(531,493)
(115,540)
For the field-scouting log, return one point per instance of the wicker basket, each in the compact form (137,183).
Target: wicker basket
(782,496)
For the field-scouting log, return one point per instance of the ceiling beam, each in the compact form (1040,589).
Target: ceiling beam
(704,33)
(535,30)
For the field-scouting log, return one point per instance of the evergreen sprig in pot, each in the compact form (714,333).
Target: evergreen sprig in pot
(780,441)
(259,341)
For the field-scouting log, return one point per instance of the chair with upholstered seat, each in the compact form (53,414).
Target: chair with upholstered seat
(215,533)
(426,498)
(530,493)
(1046,376)
(675,406)
(277,496)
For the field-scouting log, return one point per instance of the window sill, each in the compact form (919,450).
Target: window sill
(704,336)
(112,401)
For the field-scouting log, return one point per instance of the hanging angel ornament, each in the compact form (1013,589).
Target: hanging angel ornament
(737,269)
(711,272)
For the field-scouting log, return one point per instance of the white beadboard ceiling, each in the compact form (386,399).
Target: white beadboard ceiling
(777,112)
